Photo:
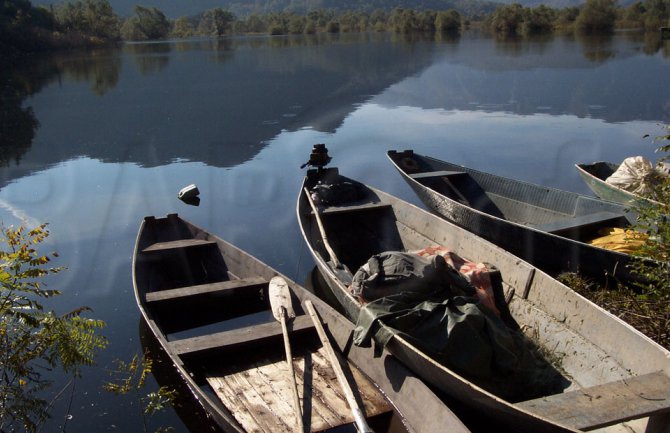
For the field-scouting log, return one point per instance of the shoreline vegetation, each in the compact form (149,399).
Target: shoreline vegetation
(25,28)
(646,304)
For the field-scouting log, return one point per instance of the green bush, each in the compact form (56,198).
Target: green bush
(654,220)
(506,20)
(597,16)
(89,17)
(448,21)
(33,340)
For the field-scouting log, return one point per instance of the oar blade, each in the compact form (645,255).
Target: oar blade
(280,298)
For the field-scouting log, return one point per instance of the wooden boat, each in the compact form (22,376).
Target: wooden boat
(595,175)
(206,303)
(547,227)
(616,373)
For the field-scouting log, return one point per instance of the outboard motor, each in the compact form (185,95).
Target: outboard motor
(319,157)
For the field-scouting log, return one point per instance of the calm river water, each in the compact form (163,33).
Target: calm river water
(92,142)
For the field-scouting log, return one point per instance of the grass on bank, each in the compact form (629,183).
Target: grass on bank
(646,306)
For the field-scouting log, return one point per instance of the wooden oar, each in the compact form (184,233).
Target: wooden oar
(282,309)
(356,410)
(322,230)
(339,268)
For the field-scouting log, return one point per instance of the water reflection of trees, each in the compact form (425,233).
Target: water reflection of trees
(100,68)
(346,68)
(153,57)
(222,50)
(517,46)
(597,48)
(150,58)
(652,42)
(17,125)
(17,122)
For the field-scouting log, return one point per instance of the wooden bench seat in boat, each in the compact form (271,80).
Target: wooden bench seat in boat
(441,173)
(244,284)
(605,405)
(230,339)
(353,208)
(601,218)
(178,244)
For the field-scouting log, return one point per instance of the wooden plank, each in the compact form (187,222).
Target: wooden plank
(323,403)
(202,289)
(608,404)
(324,400)
(254,399)
(181,243)
(441,173)
(258,397)
(235,337)
(353,208)
(373,400)
(575,222)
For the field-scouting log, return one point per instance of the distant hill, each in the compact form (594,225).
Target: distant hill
(557,4)
(177,8)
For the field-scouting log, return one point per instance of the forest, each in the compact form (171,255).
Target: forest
(28,28)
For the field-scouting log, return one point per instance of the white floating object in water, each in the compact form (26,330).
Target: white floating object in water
(188,192)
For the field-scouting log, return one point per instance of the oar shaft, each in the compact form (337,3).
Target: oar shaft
(322,230)
(289,361)
(359,415)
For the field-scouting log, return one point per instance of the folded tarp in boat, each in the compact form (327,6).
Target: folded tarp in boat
(428,302)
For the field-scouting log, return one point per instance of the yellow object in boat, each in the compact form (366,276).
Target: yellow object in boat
(618,239)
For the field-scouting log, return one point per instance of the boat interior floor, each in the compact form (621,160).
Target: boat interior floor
(257,394)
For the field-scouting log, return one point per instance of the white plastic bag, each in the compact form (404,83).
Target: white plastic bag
(636,174)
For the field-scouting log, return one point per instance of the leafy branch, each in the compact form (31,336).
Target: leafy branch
(130,378)
(34,341)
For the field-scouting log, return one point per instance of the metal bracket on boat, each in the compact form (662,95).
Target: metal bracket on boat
(529,282)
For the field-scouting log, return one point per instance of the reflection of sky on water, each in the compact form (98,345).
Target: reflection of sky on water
(538,148)
(555,78)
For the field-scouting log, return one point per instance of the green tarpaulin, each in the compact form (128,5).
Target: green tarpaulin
(433,306)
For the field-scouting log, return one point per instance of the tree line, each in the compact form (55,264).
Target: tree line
(24,27)
(594,16)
